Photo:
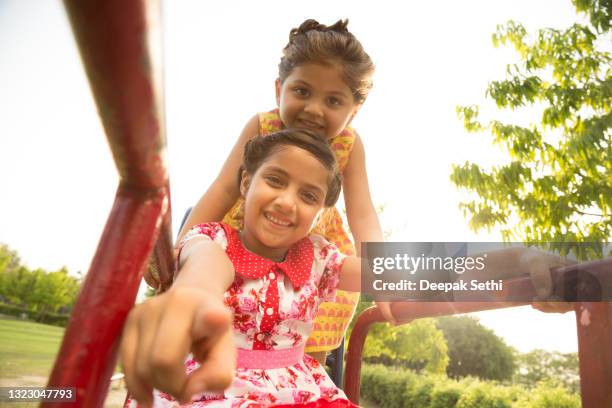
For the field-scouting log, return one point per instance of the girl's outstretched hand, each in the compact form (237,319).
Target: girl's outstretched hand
(385,310)
(160,333)
(538,265)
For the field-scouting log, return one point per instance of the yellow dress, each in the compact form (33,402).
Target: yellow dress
(333,317)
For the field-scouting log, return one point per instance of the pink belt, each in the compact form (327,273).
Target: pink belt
(265,359)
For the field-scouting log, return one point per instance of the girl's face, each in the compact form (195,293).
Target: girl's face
(282,200)
(315,97)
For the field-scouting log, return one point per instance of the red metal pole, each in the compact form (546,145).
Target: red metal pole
(162,258)
(594,327)
(115,38)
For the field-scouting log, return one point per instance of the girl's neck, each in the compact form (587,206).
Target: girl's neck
(252,245)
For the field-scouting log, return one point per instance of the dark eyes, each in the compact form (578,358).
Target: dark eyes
(310,198)
(277,182)
(274,181)
(334,101)
(305,93)
(301,91)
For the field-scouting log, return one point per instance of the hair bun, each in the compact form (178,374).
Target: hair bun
(339,26)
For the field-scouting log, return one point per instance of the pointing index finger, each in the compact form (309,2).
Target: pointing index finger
(172,343)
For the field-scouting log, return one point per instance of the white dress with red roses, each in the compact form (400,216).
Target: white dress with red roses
(274,305)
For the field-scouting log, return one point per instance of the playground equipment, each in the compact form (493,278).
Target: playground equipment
(593,323)
(120,45)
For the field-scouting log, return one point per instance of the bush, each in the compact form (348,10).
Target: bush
(397,388)
(484,395)
(385,386)
(549,396)
(445,395)
(418,394)
(17,311)
(53,319)
(47,318)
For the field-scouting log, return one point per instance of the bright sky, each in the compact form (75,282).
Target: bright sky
(221,60)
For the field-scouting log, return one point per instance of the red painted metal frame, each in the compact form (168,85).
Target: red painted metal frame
(593,321)
(114,38)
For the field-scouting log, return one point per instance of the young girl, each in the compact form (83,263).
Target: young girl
(324,77)
(272,275)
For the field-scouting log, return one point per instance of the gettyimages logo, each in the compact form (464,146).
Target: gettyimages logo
(462,271)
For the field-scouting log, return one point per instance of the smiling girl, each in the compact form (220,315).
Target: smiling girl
(272,275)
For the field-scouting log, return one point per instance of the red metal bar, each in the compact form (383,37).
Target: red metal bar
(594,324)
(594,321)
(114,37)
(161,263)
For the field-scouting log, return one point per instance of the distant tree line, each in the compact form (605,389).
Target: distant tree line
(46,296)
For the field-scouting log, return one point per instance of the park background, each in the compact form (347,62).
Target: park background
(220,63)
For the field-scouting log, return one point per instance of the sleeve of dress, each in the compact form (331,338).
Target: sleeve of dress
(211,230)
(328,260)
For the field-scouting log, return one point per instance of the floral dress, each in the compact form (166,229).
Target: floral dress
(334,315)
(274,305)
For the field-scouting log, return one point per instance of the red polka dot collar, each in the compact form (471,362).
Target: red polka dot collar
(297,264)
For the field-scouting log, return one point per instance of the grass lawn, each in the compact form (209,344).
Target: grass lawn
(27,348)
(27,354)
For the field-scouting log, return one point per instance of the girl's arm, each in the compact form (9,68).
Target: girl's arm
(204,265)
(223,192)
(360,212)
(189,317)
(350,274)
(362,218)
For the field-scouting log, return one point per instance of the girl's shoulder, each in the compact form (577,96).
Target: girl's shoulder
(216,231)
(322,247)
(342,144)
(269,122)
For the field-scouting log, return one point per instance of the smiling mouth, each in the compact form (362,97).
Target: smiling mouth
(310,125)
(277,221)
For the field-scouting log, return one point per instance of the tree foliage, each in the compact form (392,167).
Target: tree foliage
(9,260)
(475,350)
(37,290)
(552,367)
(418,345)
(557,186)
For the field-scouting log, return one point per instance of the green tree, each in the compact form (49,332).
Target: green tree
(38,290)
(18,285)
(53,291)
(557,186)
(421,344)
(418,345)
(475,350)
(9,260)
(551,366)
